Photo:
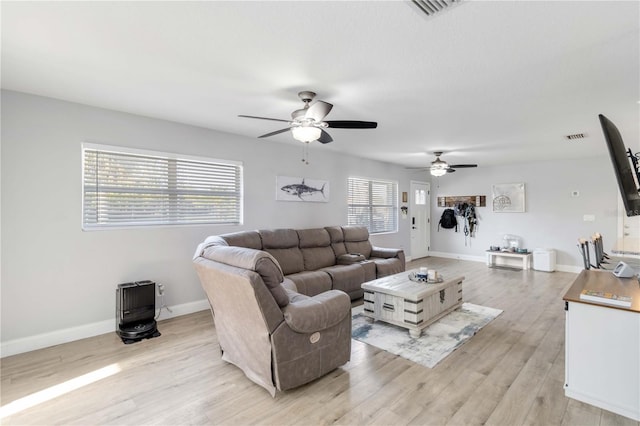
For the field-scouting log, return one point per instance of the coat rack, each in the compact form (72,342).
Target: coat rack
(477,200)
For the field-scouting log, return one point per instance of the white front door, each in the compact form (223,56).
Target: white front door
(420,219)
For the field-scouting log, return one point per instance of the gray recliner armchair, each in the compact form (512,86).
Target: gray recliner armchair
(280,338)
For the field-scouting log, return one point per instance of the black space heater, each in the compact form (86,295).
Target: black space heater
(135,311)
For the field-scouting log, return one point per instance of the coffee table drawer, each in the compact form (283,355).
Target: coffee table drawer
(383,306)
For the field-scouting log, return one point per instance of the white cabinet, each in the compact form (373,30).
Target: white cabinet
(603,347)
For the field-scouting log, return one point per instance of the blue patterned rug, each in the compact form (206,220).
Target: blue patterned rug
(437,340)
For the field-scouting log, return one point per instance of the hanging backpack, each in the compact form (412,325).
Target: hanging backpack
(448,220)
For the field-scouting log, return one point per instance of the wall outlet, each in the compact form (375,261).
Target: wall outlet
(589,218)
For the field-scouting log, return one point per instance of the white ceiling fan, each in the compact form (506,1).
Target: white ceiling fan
(307,124)
(440,167)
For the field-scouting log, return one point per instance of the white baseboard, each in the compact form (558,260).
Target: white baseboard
(458,256)
(561,268)
(569,268)
(39,341)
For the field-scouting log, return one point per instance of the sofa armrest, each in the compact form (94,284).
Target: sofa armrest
(385,253)
(350,258)
(318,312)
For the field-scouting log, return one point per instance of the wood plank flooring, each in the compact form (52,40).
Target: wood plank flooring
(510,373)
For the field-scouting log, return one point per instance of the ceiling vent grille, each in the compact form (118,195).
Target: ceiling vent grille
(431,7)
(576,136)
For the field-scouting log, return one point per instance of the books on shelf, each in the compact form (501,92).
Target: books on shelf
(608,298)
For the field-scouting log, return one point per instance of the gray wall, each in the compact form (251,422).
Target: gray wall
(56,276)
(553,218)
(58,282)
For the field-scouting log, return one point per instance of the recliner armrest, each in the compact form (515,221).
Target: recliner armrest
(318,312)
(385,253)
(350,258)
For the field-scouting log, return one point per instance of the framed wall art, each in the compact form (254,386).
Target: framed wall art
(508,197)
(290,188)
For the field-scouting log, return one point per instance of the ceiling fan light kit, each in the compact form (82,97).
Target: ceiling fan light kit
(306,133)
(440,171)
(440,168)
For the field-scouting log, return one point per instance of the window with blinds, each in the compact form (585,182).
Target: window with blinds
(125,187)
(374,204)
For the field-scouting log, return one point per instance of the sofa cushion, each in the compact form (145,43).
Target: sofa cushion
(311,283)
(337,239)
(369,270)
(355,233)
(318,258)
(356,240)
(316,237)
(386,267)
(279,238)
(248,239)
(271,274)
(254,260)
(290,259)
(361,247)
(283,245)
(347,278)
(315,246)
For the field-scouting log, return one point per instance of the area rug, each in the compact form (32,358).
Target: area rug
(437,340)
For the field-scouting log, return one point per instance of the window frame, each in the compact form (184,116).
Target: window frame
(170,156)
(370,206)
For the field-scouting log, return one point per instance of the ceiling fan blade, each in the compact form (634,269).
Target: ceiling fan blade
(264,118)
(463,166)
(274,133)
(351,124)
(325,137)
(418,168)
(318,111)
(450,170)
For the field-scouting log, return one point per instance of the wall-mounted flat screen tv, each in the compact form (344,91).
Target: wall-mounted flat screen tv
(625,166)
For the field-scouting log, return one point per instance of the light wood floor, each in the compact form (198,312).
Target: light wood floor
(510,373)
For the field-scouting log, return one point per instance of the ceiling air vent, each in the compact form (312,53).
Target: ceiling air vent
(431,7)
(576,136)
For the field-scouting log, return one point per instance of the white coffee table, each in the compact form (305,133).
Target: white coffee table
(413,305)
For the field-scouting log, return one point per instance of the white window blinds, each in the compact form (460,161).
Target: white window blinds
(137,188)
(374,204)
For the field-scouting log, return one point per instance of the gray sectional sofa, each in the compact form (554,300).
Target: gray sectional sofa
(281,299)
(321,259)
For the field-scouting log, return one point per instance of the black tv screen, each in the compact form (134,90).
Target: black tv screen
(625,166)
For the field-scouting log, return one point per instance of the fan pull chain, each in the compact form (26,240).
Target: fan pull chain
(305,153)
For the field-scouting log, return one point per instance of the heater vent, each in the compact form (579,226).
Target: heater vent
(431,7)
(576,136)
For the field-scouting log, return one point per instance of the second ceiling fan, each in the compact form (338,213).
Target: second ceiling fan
(439,167)
(308,124)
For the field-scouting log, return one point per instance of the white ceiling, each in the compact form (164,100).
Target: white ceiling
(487,82)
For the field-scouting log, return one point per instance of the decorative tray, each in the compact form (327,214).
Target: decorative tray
(414,277)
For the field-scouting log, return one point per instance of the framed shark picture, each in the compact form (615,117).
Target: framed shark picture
(290,188)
